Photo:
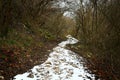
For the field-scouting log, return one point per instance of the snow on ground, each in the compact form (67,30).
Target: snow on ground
(62,64)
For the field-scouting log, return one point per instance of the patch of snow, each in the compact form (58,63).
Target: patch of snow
(62,64)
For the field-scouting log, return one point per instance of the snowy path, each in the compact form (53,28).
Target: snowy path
(62,64)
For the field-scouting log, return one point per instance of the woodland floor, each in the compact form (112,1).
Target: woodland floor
(9,67)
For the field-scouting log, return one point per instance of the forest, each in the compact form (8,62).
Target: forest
(29,29)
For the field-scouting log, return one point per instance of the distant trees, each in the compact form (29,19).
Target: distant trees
(98,27)
(59,25)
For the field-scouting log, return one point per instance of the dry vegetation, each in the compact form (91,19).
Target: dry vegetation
(29,29)
(27,26)
(98,29)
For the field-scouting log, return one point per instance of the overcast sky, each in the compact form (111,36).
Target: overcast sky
(69,6)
